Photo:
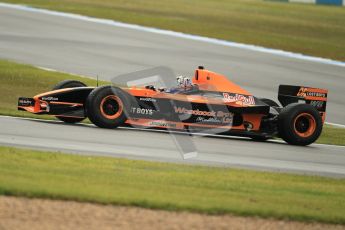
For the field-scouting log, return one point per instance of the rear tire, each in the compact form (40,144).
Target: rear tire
(69,84)
(106,106)
(299,124)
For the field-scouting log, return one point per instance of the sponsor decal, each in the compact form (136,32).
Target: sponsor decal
(162,124)
(147,99)
(25,102)
(225,120)
(142,111)
(224,114)
(208,119)
(302,92)
(239,98)
(308,92)
(207,116)
(197,112)
(317,104)
(50,98)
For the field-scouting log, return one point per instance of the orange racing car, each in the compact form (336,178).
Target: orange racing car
(208,102)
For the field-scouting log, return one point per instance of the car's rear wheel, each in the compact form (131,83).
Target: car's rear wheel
(69,84)
(299,124)
(106,106)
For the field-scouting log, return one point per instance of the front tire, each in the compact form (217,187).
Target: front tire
(299,124)
(69,84)
(106,107)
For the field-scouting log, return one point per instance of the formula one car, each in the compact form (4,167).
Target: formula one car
(206,103)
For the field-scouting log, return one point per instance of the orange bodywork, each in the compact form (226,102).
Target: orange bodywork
(210,81)
(206,81)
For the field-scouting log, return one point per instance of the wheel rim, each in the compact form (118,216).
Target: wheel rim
(305,125)
(111,107)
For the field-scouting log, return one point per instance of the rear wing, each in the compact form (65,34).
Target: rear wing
(316,97)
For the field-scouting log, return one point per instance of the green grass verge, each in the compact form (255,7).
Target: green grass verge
(171,186)
(24,80)
(18,80)
(332,135)
(304,28)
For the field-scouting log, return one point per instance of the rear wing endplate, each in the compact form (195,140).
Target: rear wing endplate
(316,97)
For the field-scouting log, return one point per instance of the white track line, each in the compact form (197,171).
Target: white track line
(336,125)
(177,34)
(58,71)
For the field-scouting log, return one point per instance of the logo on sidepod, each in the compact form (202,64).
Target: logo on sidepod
(246,100)
(142,111)
(194,112)
(163,124)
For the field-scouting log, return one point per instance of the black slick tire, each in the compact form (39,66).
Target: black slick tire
(69,84)
(299,124)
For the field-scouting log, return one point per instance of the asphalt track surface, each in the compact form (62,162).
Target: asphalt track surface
(151,145)
(91,49)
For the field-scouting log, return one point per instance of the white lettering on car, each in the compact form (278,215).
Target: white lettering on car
(142,111)
(243,99)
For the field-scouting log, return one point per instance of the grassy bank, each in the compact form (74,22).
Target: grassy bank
(303,28)
(18,80)
(24,80)
(332,135)
(170,186)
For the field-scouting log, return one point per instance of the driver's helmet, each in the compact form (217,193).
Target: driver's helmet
(183,82)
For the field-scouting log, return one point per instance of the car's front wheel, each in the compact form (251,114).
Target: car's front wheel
(106,106)
(69,84)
